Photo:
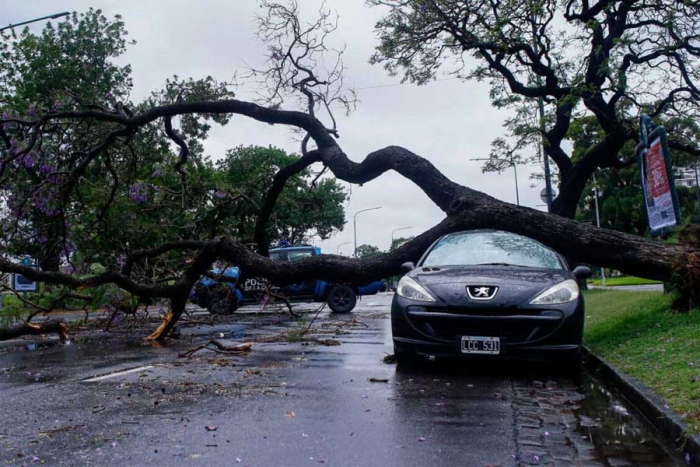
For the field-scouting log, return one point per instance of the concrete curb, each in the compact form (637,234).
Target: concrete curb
(651,406)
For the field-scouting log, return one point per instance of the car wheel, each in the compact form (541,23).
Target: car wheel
(341,299)
(223,302)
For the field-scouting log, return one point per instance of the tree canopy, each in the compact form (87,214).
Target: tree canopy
(610,60)
(367,251)
(308,206)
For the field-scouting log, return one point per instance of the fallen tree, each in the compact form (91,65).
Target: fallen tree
(35,329)
(464,208)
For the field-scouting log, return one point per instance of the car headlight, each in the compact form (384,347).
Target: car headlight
(412,290)
(563,292)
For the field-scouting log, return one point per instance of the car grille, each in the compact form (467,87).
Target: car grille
(514,325)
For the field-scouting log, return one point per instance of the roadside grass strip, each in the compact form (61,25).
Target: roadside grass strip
(638,333)
(625,280)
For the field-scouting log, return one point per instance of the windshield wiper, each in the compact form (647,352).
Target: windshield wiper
(496,264)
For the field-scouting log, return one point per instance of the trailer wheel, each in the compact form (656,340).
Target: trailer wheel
(341,299)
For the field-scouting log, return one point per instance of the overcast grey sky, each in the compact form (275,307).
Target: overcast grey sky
(448,122)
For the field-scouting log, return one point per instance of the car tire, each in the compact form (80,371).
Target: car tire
(222,302)
(341,299)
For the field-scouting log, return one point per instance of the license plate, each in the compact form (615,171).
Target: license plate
(255,284)
(481,345)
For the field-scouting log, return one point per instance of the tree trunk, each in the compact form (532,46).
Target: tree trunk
(177,307)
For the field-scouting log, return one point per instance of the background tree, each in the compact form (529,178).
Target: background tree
(59,203)
(397,242)
(309,206)
(367,251)
(620,196)
(610,60)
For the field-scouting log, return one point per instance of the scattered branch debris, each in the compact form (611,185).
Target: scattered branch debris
(218,347)
(378,380)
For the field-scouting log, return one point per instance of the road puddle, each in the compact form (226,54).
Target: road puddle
(618,436)
(575,420)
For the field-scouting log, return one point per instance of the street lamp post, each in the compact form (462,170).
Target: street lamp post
(55,16)
(396,230)
(597,221)
(337,250)
(354,226)
(549,194)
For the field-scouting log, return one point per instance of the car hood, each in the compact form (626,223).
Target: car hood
(516,285)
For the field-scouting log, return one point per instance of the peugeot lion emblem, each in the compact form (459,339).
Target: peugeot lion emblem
(481,292)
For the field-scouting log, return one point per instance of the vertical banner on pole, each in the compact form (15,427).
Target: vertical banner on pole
(656,173)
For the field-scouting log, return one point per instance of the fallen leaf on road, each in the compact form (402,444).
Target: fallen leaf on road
(290,413)
(329,342)
(390,358)
(211,428)
(378,380)
(421,439)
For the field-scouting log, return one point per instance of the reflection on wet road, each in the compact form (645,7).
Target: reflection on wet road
(295,403)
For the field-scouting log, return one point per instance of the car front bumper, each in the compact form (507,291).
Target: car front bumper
(528,333)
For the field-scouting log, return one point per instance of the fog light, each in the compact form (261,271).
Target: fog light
(551,313)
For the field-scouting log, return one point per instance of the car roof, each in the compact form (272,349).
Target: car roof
(291,248)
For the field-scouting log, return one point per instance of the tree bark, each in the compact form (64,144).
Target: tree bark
(35,329)
(177,308)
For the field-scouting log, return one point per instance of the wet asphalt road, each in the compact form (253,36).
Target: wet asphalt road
(116,402)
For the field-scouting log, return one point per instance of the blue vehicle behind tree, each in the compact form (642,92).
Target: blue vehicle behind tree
(223,291)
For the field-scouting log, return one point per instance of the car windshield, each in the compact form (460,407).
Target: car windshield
(290,255)
(491,248)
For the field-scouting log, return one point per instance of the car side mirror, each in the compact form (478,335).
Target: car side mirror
(408,267)
(582,272)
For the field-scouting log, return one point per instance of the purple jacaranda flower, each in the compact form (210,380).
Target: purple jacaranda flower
(156,173)
(29,160)
(55,179)
(14,146)
(138,193)
(121,261)
(45,169)
(68,248)
(31,110)
(7,125)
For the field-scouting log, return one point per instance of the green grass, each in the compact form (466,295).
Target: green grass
(637,332)
(626,280)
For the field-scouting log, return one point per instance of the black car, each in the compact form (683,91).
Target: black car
(487,293)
